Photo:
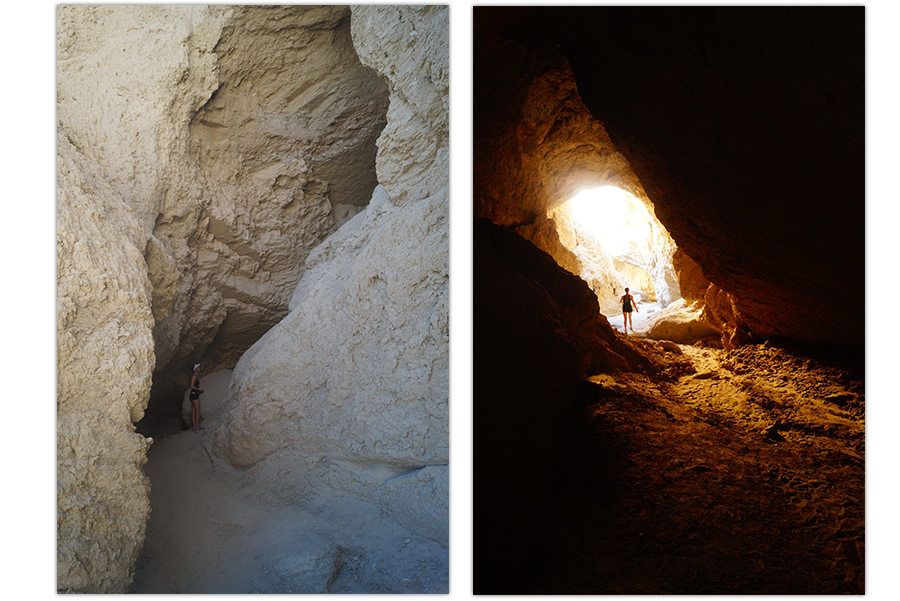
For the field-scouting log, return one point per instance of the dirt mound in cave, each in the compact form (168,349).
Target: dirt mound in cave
(735,472)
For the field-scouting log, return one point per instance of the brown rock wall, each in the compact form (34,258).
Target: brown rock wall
(536,145)
(745,126)
(692,282)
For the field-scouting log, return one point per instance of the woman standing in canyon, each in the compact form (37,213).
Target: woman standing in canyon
(195,398)
(627,305)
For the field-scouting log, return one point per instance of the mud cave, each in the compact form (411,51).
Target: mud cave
(720,447)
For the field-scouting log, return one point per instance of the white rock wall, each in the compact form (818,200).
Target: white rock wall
(355,380)
(284,152)
(409,45)
(105,360)
(202,152)
(113,110)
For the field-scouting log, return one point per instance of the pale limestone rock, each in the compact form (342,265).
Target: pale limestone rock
(599,271)
(356,376)
(353,383)
(104,363)
(240,137)
(203,151)
(637,281)
(409,46)
(312,569)
(644,264)
(284,151)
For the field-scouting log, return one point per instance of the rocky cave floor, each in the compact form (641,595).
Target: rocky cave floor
(737,472)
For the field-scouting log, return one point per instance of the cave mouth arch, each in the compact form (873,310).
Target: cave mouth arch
(618,242)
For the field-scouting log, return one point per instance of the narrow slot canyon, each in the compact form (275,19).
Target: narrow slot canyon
(719,448)
(262,191)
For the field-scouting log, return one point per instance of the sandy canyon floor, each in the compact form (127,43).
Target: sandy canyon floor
(736,472)
(211,530)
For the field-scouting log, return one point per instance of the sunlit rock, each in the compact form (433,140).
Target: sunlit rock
(682,323)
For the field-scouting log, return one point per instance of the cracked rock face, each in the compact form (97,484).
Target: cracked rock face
(238,138)
(203,153)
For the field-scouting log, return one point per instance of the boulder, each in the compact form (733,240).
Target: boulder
(682,323)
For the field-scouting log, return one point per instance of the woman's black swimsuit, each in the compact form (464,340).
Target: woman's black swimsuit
(626,304)
(195,394)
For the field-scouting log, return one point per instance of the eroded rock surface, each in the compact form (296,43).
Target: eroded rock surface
(537,146)
(105,361)
(744,127)
(238,138)
(203,152)
(355,380)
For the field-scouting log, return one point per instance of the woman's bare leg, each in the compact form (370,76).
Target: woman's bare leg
(195,414)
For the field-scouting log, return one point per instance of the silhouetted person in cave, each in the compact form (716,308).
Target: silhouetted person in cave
(196,391)
(628,304)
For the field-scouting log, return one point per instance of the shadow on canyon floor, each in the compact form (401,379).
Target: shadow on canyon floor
(214,529)
(736,472)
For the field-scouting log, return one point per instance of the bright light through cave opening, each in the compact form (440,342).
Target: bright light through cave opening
(617,219)
(619,243)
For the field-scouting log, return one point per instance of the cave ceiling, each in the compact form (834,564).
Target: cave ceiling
(745,126)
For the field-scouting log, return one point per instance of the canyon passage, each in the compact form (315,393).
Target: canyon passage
(720,447)
(263,190)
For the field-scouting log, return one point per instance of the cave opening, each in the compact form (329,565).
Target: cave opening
(619,243)
(723,452)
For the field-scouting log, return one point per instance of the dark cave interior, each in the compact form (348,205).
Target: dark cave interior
(745,129)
